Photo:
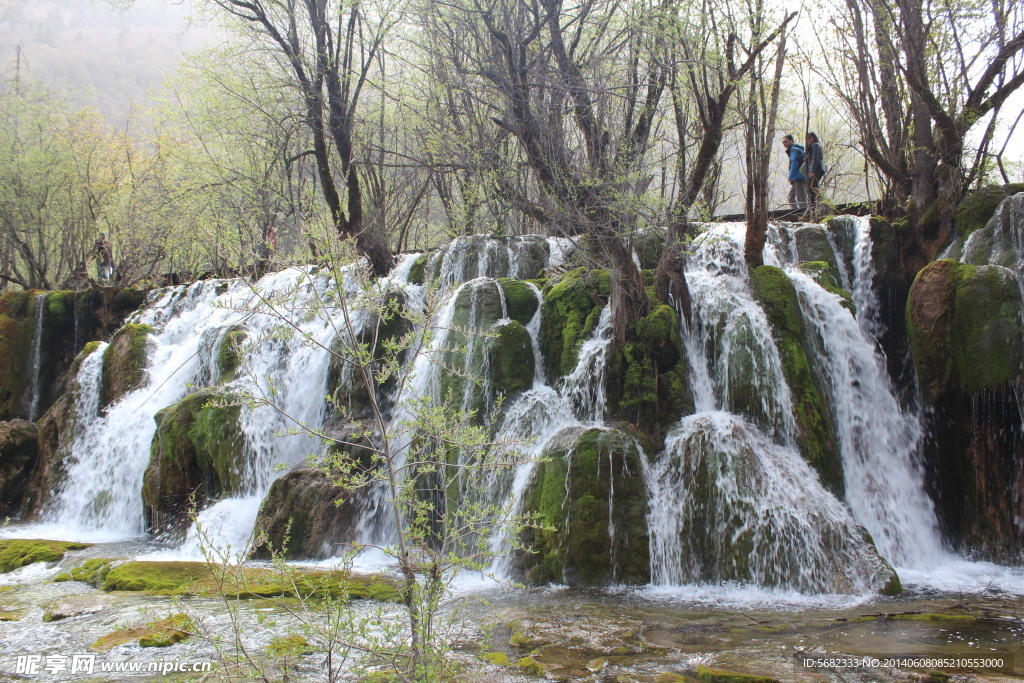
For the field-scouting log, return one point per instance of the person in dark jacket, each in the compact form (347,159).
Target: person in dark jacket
(797,182)
(815,165)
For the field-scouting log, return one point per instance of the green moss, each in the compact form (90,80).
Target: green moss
(932,616)
(124,362)
(196,451)
(126,300)
(199,578)
(589,481)
(164,633)
(669,678)
(531,666)
(289,646)
(648,376)
(719,676)
(61,303)
(510,358)
(571,311)
(963,322)
(828,279)
(520,299)
(978,207)
(496,658)
(815,435)
(16,553)
(228,355)
(418,272)
(92,571)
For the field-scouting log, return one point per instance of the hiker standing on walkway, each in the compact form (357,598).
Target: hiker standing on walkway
(814,160)
(797,182)
(104,258)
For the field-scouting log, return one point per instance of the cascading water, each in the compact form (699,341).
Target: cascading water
(878,441)
(729,500)
(37,345)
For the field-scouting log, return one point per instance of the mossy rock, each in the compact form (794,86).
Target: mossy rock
(977,208)
(964,327)
(588,482)
(572,308)
(477,307)
(124,362)
(520,299)
(289,646)
(828,279)
(229,355)
(510,361)
(305,514)
(648,243)
(199,578)
(648,382)
(815,432)
(16,553)
(92,571)
(378,338)
(496,658)
(197,451)
(812,245)
(418,272)
(70,606)
(710,675)
(19,452)
(163,633)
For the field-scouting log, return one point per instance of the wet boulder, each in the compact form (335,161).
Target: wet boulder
(521,299)
(19,451)
(509,359)
(812,244)
(589,497)
(124,362)
(197,454)
(306,516)
(965,330)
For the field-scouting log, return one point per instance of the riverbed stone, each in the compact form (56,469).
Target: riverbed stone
(70,606)
(590,500)
(163,633)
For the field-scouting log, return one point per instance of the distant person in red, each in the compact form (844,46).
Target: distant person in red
(104,258)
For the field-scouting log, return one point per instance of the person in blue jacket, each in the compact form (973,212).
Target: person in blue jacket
(797,182)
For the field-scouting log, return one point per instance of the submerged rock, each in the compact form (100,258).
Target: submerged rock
(19,451)
(590,500)
(163,633)
(197,455)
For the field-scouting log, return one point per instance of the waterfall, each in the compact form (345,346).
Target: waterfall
(729,499)
(37,361)
(879,441)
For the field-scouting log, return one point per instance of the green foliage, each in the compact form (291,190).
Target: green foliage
(16,553)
